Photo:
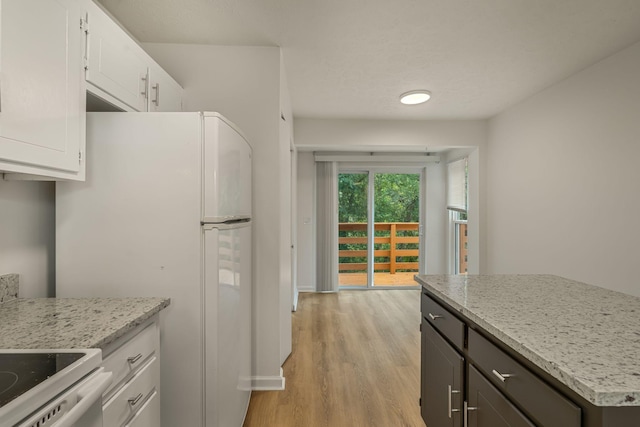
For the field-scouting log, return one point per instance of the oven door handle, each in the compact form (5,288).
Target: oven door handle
(87,394)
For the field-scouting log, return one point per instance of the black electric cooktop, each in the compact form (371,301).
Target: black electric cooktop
(20,372)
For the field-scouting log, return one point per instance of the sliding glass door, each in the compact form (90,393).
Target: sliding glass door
(353,229)
(379,228)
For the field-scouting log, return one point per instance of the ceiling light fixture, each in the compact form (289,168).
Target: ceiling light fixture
(415,97)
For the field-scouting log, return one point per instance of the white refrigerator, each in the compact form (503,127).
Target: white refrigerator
(166,211)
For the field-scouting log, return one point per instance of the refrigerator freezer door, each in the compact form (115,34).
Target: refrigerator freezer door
(227,172)
(227,293)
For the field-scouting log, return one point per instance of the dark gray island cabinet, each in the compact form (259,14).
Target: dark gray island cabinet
(528,350)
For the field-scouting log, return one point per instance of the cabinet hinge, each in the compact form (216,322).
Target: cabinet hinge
(420,327)
(420,402)
(79,156)
(84,27)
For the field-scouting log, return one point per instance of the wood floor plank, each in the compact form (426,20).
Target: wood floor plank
(355,363)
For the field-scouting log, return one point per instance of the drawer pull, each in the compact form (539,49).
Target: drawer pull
(435,316)
(451,411)
(468,408)
(134,359)
(134,400)
(501,377)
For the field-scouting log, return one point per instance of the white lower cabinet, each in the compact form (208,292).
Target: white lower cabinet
(133,397)
(149,414)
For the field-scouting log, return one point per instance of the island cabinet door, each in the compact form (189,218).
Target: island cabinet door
(487,407)
(442,382)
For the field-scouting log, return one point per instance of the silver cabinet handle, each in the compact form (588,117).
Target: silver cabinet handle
(468,408)
(134,359)
(501,377)
(434,316)
(156,87)
(450,397)
(134,400)
(145,86)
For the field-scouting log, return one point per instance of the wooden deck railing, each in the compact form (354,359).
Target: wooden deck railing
(463,251)
(391,238)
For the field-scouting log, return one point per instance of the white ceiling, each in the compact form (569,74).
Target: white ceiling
(353,58)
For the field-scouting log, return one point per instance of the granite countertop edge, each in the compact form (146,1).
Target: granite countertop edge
(603,398)
(72,323)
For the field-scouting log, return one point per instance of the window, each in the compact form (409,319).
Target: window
(460,242)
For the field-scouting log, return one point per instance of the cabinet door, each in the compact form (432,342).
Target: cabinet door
(488,407)
(165,94)
(42,94)
(116,65)
(441,380)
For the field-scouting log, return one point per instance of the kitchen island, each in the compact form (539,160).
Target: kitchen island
(548,350)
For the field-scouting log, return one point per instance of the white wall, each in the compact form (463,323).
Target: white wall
(387,135)
(562,179)
(399,135)
(284,148)
(436,218)
(243,83)
(27,235)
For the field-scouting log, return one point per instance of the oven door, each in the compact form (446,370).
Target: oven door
(78,406)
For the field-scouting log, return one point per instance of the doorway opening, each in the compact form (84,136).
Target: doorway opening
(379,228)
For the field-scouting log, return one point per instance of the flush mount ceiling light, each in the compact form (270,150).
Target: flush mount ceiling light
(415,97)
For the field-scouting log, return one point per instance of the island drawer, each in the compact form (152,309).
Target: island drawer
(443,320)
(548,407)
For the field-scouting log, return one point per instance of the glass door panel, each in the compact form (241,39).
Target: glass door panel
(397,222)
(353,229)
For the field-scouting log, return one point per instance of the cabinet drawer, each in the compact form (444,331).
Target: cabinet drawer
(132,396)
(543,403)
(445,322)
(149,414)
(132,355)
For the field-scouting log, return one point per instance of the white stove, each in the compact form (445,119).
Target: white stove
(52,388)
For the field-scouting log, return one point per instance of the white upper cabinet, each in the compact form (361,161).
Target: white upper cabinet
(52,52)
(42,92)
(120,72)
(165,94)
(116,66)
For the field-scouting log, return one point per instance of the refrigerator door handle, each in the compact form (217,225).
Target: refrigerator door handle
(224,219)
(207,226)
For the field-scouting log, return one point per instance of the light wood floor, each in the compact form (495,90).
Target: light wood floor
(355,363)
(379,279)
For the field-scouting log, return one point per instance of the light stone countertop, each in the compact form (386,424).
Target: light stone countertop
(68,323)
(585,336)
(9,286)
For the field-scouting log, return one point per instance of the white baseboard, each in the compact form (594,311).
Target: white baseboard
(306,288)
(268,382)
(295,300)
